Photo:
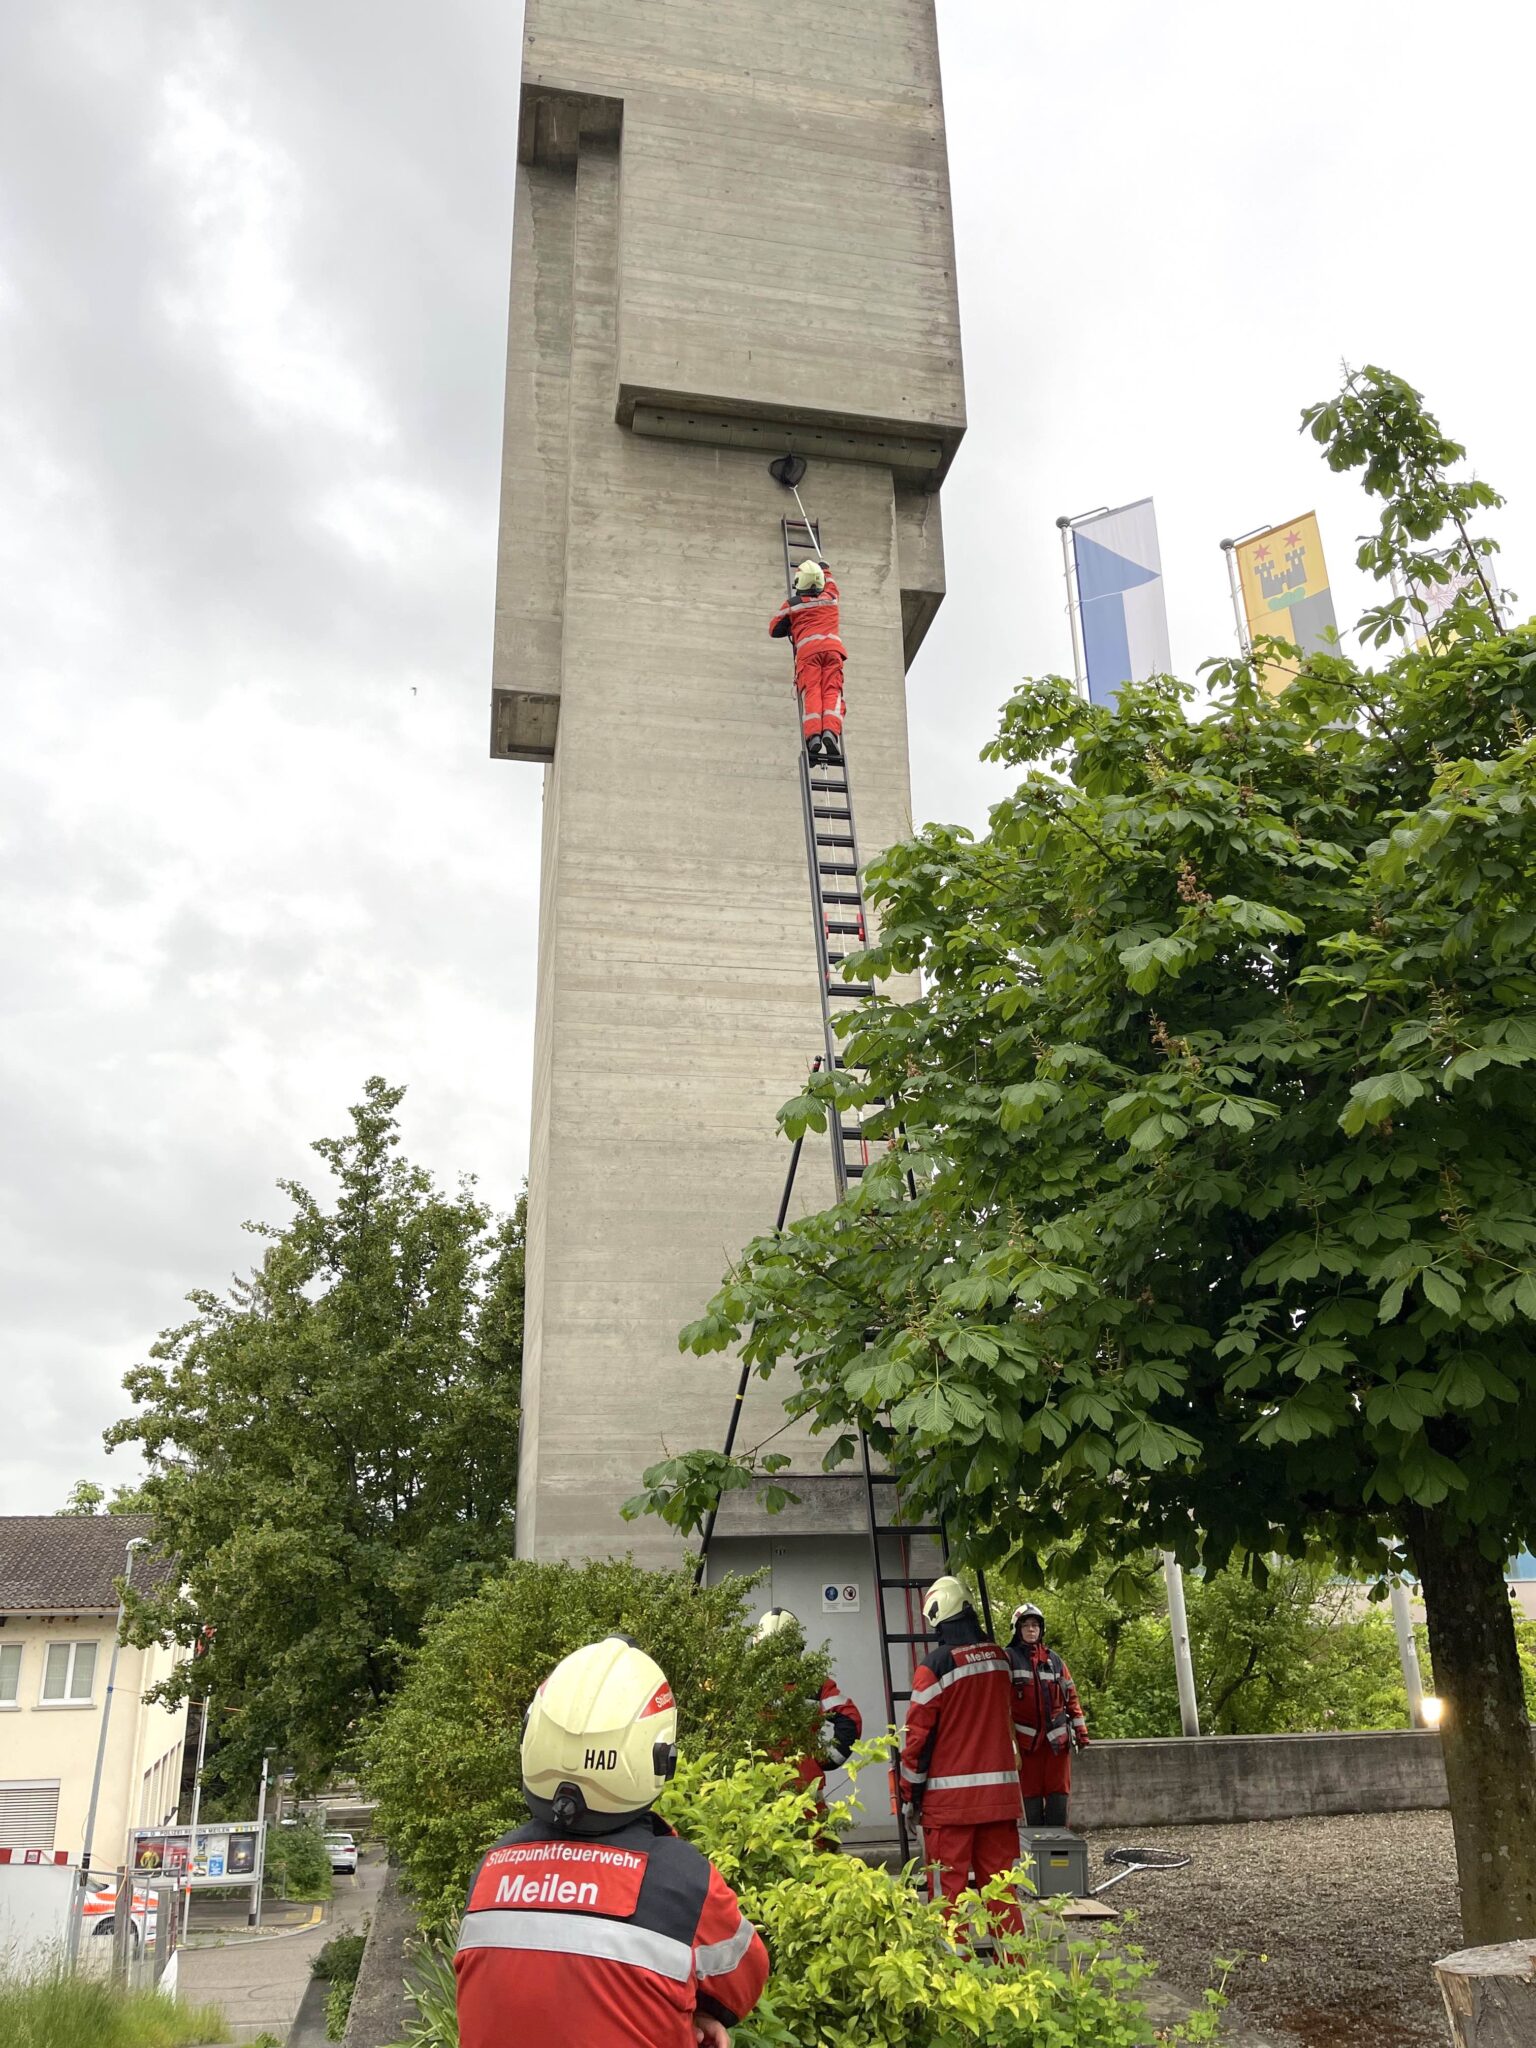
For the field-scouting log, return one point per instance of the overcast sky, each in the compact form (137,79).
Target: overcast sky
(253,270)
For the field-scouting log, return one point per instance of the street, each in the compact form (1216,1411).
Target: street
(259,1980)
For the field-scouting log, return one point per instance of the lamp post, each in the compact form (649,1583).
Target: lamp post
(72,1949)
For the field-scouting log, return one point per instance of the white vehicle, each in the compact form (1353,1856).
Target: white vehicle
(343,1853)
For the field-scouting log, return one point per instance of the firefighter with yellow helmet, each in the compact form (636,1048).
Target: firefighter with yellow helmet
(596,1922)
(959,1767)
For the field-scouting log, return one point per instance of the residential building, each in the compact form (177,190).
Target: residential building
(58,1610)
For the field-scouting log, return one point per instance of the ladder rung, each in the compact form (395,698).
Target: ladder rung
(898,1693)
(905,1585)
(827,811)
(834,839)
(852,1133)
(852,1170)
(906,1637)
(845,927)
(853,991)
(911,1529)
(836,867)
(841,896)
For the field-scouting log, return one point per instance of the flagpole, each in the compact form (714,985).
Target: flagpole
(1229,549)
(1074,619)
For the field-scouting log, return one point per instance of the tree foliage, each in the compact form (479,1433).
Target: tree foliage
(1218,1099)
(443,1760)
(863,1959)
(1288,1651)
(332,1447)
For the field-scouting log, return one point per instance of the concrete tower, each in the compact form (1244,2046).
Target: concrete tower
(732,238)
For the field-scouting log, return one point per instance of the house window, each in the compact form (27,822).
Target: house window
(69,1674)
(29,1811)
(10,1673)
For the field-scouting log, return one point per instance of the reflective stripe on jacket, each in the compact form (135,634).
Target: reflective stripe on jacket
(1046,1708)
(812,619)
(958,1759)
(607,1940)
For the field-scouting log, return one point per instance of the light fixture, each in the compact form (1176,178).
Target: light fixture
(1433,1707)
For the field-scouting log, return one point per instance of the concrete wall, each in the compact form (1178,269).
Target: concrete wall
(676,178)
(1255,1777)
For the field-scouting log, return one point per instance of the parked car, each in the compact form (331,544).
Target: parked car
(98,1916)
(343,1852)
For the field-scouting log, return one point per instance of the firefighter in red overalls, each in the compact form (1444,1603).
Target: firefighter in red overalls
(1048,1720)
(596,1924)
(841,1722)
(810,619)
(959,1767)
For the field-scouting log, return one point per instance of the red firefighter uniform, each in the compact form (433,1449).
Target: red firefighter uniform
(842,1725)
(959,1767)
(1047,1720)
(812,621)
(610,1941)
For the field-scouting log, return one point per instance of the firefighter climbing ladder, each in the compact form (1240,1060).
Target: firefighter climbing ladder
(842,928)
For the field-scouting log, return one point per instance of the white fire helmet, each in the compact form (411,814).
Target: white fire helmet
(773,1623)
(600,1739)
(810,576)
(945,1600)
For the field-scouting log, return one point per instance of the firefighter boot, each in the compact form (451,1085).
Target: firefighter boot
(831,749)
(813,747)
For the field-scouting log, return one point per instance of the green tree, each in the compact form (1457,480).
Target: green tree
(443,1758)
(1218,1098)
(332,1448)
(85,1497)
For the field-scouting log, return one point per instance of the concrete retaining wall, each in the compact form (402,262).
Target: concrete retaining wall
(1255,1777)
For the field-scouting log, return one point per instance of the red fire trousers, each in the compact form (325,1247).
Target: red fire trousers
(952,1851)
(819,679)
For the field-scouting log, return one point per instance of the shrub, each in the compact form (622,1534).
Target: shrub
(340,1959)
(298,1863)
(862,1959)
(443,1759)
(55,2010)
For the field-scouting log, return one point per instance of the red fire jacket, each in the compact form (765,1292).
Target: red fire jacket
(958,1761)
(1046,1708)
(812,620)
(610,1941)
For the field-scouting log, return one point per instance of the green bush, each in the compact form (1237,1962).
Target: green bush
(338,2003)
(861,1957)
(298,1863)
(340,1959)
(443,1761)
(55,2010)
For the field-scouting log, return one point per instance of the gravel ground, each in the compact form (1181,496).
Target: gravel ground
(1351,1911)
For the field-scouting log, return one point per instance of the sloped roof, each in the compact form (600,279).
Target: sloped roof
(66,1564)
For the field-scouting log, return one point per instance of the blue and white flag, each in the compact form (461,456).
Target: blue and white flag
(1120,598)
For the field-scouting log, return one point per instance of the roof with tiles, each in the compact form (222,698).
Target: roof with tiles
(68,1564)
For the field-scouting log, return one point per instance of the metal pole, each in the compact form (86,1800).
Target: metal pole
(253,1917)
(1408,1654)
(1183,1664)
(1074,619)
(1235,585)
(197,1775)
(72,1942)
(806,523)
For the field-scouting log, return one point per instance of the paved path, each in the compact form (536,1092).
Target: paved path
(259,1983)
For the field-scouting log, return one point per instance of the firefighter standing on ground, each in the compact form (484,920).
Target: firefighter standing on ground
(842,1723)
(1047,1720)
(595,1923)
(959,1767)
(810,618)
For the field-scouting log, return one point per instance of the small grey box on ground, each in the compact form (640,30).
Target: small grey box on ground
(1058,1862)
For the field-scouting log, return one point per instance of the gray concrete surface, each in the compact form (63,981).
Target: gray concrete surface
(711,241)
(380,2007)
(260,1982)
(1222,1778)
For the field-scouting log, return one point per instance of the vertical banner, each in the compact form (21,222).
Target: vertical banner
(1119,575)
(1284,584)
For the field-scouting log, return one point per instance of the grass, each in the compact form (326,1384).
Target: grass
(58,2011)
